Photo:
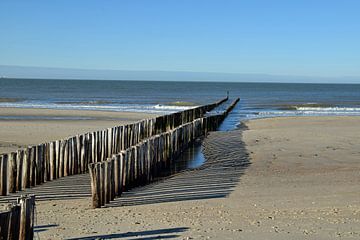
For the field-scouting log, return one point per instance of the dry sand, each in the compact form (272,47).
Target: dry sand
(301,180)
(35,127)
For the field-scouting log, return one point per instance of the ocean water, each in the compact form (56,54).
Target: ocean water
(258,100)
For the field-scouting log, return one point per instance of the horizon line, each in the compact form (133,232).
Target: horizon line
(62,73)
(185,81)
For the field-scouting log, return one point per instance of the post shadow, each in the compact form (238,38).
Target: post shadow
(226,160)
(166,233)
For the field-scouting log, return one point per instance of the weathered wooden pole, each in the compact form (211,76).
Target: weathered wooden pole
(66,157)
(12,172)
(4,224)
(107,184)
(57,167)
(14,222)
(3,174)
(19,166)
(27,205)
(102,183)
(94,170)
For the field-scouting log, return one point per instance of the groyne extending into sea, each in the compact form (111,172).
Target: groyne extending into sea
(35,165)
(140,164)
(117,159)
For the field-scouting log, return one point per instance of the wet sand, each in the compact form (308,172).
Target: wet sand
(283,178)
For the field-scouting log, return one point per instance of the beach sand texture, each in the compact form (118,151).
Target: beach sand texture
(26,127)
(299,180)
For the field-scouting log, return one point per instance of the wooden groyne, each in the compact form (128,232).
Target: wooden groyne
(142,163)
(35,165)
(17,221)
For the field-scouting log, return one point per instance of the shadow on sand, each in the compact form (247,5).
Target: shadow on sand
(226,160)
(167,233)
(70,187)
(43,228)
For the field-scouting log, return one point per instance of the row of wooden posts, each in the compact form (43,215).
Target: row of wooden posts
(142,163)
(35,165)
(17,221)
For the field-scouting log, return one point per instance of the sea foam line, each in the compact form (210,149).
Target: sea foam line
(116,108)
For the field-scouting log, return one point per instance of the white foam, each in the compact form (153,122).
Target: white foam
(311,111)
(158,109)
(329,109)
(171,107)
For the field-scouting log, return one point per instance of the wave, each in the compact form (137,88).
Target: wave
(329,109)
(334,111)
(305,105)
(94,102)
(147,108)
(172,107)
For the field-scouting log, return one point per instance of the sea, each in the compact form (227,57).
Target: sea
(257,100)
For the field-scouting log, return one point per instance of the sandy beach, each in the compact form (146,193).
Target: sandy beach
(281,178)
(23,127)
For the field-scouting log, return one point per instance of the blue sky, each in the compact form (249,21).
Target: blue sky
(305,38)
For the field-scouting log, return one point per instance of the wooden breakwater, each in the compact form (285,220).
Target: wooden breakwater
(142,163)
(35,165)
(17,221)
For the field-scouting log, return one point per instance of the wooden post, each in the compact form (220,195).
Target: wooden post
(48,160)
(25,183)
(78,144)
(52,157)
(19,165)
(4,225)
(66,157)
(61,165)
(82,146)
(117,174)
(122,173)
(125,155)
(102,183)
(93,147)
(103,145)
(14,222)
(74,156)
(135,169)
(109,142)
(27,205)
(12,171)
(122,138)
(87,151)
(38,165)
(112,179)
(94,170)
(3,174)
(32,156)
(107,181)
(17,222)
(57,159)
(71,156)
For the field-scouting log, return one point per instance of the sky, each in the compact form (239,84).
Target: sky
(314,38)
